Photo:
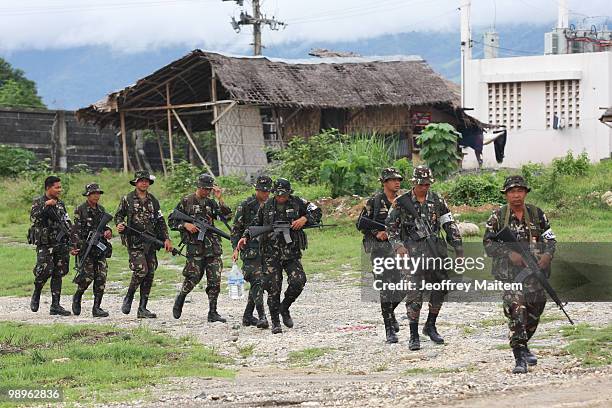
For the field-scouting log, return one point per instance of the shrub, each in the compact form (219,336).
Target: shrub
(182,180)
(475,190)
(439,149)
(15,161)
(570,166)
(533,174)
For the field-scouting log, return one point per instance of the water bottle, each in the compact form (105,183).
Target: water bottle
(235,282)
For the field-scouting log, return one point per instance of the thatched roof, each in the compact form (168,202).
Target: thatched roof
(354,82)
(607,116)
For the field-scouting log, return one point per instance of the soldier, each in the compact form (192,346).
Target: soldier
(86,219)
(140,210)
(202,256)
(252,264)
(279,255)
(376,243)
(531,227)
(402,232)
(50,232)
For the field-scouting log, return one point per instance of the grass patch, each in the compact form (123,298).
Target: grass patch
(591,345)
(491,322)
(381,367)
(246,351)
(467,330)
(307,355)
(99,363)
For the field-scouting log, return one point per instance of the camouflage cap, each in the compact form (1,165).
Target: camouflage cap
(282,186)
(142,174)
(422,175)
(514,181)
(206,181)
(390,173)
(92,188)
(263,183)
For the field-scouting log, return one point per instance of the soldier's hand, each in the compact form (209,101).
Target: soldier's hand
(108,234)
(217,192)
(401,251)
(74,251)
(51,202)
(299,223)
(544,261)
(241,244)
(168,245)
(516,259)
(382,236)
(121,228)
(191,228)
(235,255)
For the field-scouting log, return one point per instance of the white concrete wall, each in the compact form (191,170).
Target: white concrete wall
(534,142)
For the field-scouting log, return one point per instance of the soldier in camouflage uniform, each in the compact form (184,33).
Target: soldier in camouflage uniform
(48,215)
(277,254)
(531,227)
(202,256)
(139,209)
(401,229)
(87,216)
(376,243)
(252,264)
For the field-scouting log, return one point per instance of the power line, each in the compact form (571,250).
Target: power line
(507,49)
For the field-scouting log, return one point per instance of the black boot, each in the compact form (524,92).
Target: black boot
(394,323)
(262,323)
(76,302)
(56,309)
(414,343)
(430,329)
(530,358)
(97,311)
(143,312)
(213,316)
(247,318)
(284,312)
(177,310)
(390,330)
(519,358)
(276,327)
(127,301)
(35,302)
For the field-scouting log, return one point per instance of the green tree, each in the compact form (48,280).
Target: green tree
(439,148)
(16,90)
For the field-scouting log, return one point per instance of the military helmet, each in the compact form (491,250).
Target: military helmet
(422,175)
(142,174)
(514,181)
(92,188)
(263,183)
(282,186)
(206,181)
(390,173)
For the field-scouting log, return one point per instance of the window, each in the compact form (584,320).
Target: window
(563,102)
(505,104)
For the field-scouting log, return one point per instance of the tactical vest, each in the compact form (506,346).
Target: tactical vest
(291,213)
(532,214)
(152,226)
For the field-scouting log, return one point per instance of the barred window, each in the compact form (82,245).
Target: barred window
(563,102)
(505,104)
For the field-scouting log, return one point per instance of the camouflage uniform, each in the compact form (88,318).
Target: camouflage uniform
(252,263)
(522,308)
(202,257)
(86,220)
(278,255)
(401,229)
(52,256)
(377,209)
(143,215)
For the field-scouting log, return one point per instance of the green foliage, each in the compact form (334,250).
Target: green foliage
(532,173)
(591,345)
(16,94)
(476,189)
(233,184)
(439,148)
(404,166)
(182,179)
(570,166)
(563,171)
(15,161)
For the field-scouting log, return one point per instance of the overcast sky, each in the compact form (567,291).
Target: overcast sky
(137,25)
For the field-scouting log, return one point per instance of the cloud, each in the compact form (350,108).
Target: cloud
(138,25)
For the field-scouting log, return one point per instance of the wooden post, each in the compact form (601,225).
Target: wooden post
(169,125)
(178,119)
(161,150)
(213,97)
(124,141)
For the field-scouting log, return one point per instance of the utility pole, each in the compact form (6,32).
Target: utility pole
(256,20)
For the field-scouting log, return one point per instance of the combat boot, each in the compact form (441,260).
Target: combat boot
(143,312)
(284,312)
(56,309)
(414,343)
(127,302)
(247,318)
(96,310)
(519,357)
(76,302)
(262,323)
(530,358)
(35,302)
(213,316)
(390,331)
(276,326)
(177,309)
(394,323)
(430,329)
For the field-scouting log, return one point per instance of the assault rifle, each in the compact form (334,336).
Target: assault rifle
(423,228)
(151,240)
(281,228)
(364,223)
(202,225)
(94,239)
(64,224)
(507,236)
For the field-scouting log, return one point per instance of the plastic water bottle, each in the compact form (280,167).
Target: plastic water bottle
(235,282)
